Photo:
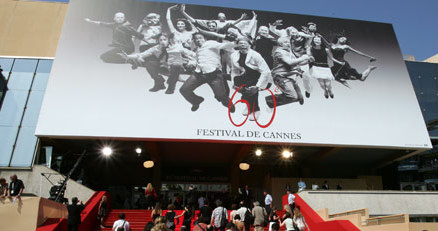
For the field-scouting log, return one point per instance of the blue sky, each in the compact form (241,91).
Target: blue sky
(414,21)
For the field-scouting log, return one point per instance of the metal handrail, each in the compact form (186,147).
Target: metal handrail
(385,218)
(362,212)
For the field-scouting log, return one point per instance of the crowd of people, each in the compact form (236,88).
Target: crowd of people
(241,218)
(201,215)
(215,52)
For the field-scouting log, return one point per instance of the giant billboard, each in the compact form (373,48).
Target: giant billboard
(155,70)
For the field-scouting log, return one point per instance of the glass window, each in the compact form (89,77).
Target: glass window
(33,109)
(44,66)
(20,77)
(13,106)
(24,150)
(20,81)
(25,65)
(7,140)
(6,65)
(40,82)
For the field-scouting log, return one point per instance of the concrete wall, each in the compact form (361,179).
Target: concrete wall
(423,226)
(378,202)
(361,183)
(50,209)
(359,220)
(389,227)
(36,184)
(28,213)
(355,219)
(30,28)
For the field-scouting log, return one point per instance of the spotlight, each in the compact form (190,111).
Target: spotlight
(138,150)
(148,164)
(287,154)
(107,151)
(258,152)
(244,166)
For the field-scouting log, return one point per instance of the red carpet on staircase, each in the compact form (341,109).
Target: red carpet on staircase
(139,218)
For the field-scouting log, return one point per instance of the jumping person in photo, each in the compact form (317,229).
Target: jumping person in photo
(299,43)
(207,26)
(310,29)
(345,72)
(166,57)
(182,29)
(208,71)
(180,60)
(319,68)
(150,28)
(286,73)
(231,33)
(211,25)
(122,38)
(264,44)
(287,32)
(221,22)
(249,68)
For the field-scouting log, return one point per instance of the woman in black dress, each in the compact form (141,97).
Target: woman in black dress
(170,217)
(187,215)
(273,218)
(103,208)
(319,68)
(345,72)
(156,212)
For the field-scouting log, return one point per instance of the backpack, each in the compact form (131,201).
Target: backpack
(265,218)
(224,220)
(122,228)
(249,218)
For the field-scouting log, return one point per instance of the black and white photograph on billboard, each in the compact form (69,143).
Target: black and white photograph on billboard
(157,70)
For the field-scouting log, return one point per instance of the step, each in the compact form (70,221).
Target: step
(139,218)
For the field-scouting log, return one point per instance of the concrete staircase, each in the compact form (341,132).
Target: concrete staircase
(138,219)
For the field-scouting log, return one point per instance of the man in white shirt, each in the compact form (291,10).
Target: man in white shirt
(268,201)
(217,216)
(251,73)
(301,185)
(291,200)
(208,71)
(121,223)
(241,211)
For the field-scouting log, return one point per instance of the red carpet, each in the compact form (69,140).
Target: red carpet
(139,218)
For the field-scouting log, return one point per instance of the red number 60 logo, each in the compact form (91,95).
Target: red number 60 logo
(247,106)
